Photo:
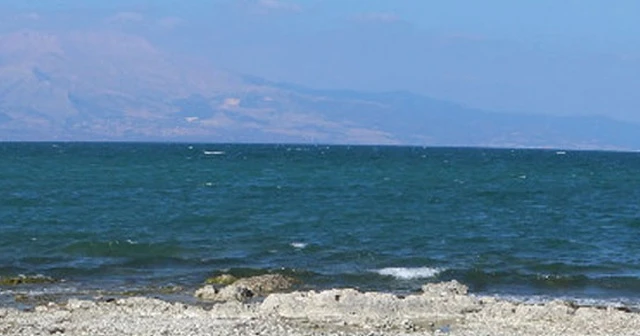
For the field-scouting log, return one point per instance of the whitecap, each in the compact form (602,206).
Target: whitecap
(407,273)
(299,245)
(213,152)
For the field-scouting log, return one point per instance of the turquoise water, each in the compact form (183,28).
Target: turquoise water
(509,222)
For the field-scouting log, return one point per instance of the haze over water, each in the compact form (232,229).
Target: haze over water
(512,222)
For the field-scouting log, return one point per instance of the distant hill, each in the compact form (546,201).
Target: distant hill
(104,85)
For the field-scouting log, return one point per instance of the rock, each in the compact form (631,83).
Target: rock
(25,279)
(265,284)
(207,292)
(35,300)
(147,291)
(22,298)
(41,308)
(244,289)
(228,293)
(56,330)
(452,287)
(324,313)
(440,305)
(223,279)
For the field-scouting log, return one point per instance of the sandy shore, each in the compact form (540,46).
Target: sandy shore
(441,309)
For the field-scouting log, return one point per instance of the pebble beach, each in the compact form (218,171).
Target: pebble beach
(439,309)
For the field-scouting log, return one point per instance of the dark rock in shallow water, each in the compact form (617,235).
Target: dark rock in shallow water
(147,291)
(265,284)
(26,279)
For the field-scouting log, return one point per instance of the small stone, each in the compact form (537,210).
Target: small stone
(56,330)
(41,308)
(75,304)
(408,325)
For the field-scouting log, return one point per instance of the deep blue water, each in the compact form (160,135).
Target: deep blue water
(511,222)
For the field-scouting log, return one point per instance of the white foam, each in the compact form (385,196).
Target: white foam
(299,245)
(407,273)
(213,152)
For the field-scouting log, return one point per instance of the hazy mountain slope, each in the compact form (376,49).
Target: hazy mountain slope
(103,85)
(79,80)
(416,119)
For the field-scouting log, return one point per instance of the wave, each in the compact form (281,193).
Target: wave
(215,152)
(408,273)
(298,245)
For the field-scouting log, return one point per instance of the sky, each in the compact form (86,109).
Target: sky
(547,56)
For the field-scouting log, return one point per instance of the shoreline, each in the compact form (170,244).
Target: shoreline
(441,308)
(30,295)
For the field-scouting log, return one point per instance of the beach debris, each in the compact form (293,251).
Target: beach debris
(246,288)
(26,279)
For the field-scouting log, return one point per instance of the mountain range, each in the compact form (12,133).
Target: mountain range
(112,86)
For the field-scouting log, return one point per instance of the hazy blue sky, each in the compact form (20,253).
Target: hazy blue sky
(543,56)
